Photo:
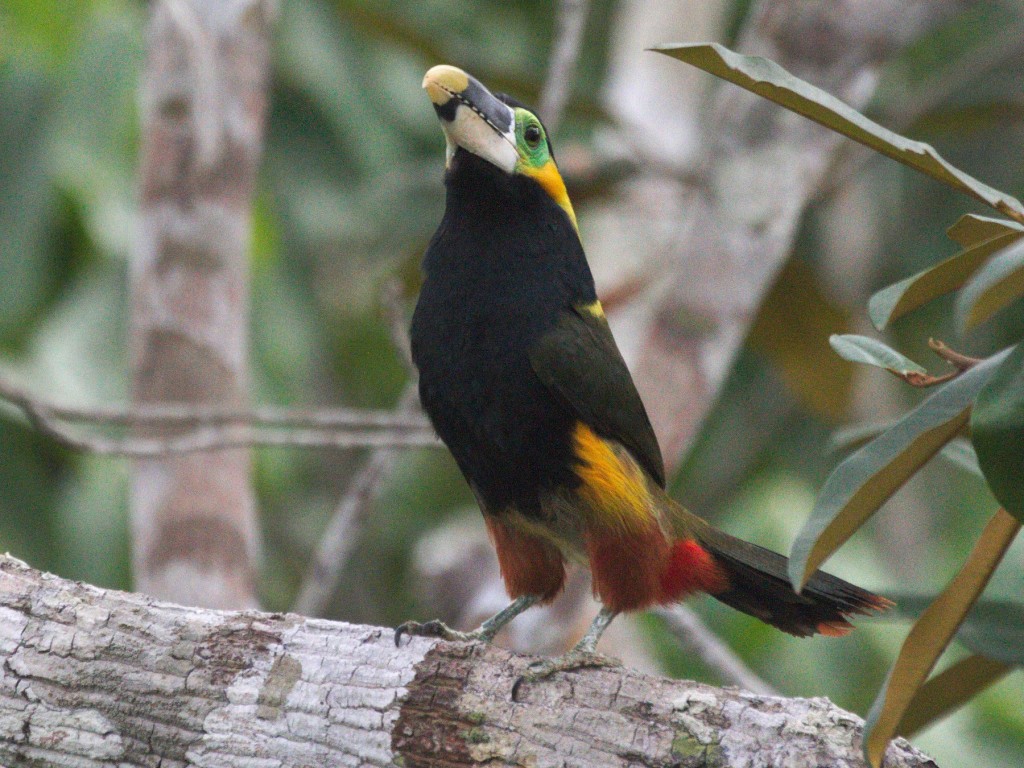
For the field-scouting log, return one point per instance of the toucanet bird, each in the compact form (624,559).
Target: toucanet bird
(522,379)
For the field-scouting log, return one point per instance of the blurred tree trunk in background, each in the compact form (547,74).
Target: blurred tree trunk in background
(725,225)
(203,101)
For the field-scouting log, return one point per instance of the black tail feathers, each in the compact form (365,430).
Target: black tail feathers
(759,586)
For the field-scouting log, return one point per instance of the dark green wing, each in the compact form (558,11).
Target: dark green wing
(580,362)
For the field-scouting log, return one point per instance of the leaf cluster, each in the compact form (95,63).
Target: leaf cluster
(980,398)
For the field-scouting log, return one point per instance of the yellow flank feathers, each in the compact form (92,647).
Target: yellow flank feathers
(551,180)
(594,309)
(613,487)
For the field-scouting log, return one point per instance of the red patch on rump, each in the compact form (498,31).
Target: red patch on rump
(690,568)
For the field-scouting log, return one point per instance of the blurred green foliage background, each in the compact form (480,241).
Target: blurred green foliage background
(349,194)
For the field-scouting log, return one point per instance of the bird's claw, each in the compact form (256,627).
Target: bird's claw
(434,628)
(574,659)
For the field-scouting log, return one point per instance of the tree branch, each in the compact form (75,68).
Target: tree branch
(349,518)
(693,635)
(178,428)
(205,426)
(90,677)
(351,513)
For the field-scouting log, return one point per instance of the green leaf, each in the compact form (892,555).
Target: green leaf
(950,690)
(997,432)
(997,284)
(866,479)
(900,298)
(854,436)
(863,349)
(932,633)
(993,628)
(769,80)
(958,451)
(42,31)
(972,229)
(27,209)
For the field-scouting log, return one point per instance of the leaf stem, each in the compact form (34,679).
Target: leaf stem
(957,360)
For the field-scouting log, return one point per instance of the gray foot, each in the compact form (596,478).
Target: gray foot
(437,628)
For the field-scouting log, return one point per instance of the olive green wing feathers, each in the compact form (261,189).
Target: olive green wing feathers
(580,363)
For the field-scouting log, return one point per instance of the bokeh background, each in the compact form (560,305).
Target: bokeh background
(349,194)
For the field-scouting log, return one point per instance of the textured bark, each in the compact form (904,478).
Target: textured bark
(92,678)
(203,101)
(759,168)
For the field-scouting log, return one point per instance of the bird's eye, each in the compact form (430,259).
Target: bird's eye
(532,134)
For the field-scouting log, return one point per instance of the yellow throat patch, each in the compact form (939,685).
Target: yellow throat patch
(550,180)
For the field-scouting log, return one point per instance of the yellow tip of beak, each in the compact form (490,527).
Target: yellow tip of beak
(442,81)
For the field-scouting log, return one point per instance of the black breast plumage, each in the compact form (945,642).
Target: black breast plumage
(499,272)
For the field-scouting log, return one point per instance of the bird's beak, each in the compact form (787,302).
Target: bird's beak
(472,117)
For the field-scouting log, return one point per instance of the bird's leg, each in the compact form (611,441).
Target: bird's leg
(583,654)
(484,632)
